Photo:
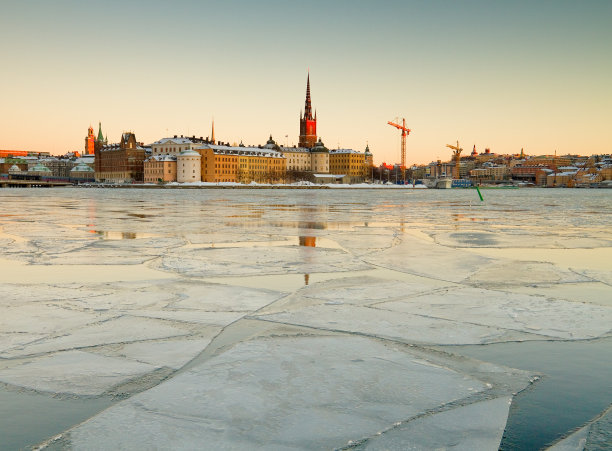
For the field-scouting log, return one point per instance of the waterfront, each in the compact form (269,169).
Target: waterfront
(300,318)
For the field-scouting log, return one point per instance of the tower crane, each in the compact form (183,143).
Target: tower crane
(405,131)
(456,158)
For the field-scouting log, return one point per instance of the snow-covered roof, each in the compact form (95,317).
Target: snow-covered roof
(81,168)
(345,151)
(336,176)
(294,150)
(161,158)
(39,168)
(189,153)
(563,174)
(88,159)
(174,141)
(239,150)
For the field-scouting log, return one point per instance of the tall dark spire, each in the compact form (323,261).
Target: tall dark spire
(308,124)
(100,135)
(308,107)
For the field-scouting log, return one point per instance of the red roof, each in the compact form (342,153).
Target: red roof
(15,153)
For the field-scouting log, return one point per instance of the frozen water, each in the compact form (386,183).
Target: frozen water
(283,393)
(258,260)
(290,318)
(597,435)
(429,260)
(404,327)
(173,354)
(478,426)
(73,372)
(530,314)
(118,330)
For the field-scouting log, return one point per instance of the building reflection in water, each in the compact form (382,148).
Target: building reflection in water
(308,241)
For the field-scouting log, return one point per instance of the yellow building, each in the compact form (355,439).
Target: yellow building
(160,168)
(350,163)
(241,164)
(548,160)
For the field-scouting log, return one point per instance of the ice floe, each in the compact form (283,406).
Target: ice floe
(284,393)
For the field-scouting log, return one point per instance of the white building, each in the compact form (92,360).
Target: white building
(188,166)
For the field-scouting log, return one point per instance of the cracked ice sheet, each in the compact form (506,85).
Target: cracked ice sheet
(14,294)
(194,317)
(218,298)
(597,435)
(42,319)
(368,290)
(360,289)
(258,261)
(282,393)
(478,426)
(500,239)
(172,354)
(120,330)
(73,372)
(519,273)
(12,270)
(422,258)
(115,252)
(362,242)
(585,292)
(216,237)
(520,312)
(596,259)
(403,327)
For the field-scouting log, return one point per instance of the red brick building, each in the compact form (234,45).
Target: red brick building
(121,163)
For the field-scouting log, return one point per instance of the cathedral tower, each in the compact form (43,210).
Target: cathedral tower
(90,141)
(308,123)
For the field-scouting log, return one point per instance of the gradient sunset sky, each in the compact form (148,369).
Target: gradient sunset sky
(500,74)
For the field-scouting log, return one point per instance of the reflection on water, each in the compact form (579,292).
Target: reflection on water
(307,241)
(112,235)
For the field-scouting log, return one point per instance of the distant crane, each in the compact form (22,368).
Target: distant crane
(405,131)
(456,158)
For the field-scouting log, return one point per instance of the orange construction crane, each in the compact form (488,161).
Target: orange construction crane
(456,158)
(405,131)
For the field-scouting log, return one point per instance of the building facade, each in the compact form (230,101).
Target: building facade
(188,167)
(160,169)
(241,164)
(175,145)
(349,163)
(121,163)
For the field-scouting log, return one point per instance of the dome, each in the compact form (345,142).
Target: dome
(14,169)
(319,147)
(189,153)
(81,168)
(39,168)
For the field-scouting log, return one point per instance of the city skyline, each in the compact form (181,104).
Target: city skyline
(504,76)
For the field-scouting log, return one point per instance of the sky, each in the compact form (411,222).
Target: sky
(503,75)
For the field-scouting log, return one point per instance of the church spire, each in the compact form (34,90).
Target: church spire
(308,107)
(100,135)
